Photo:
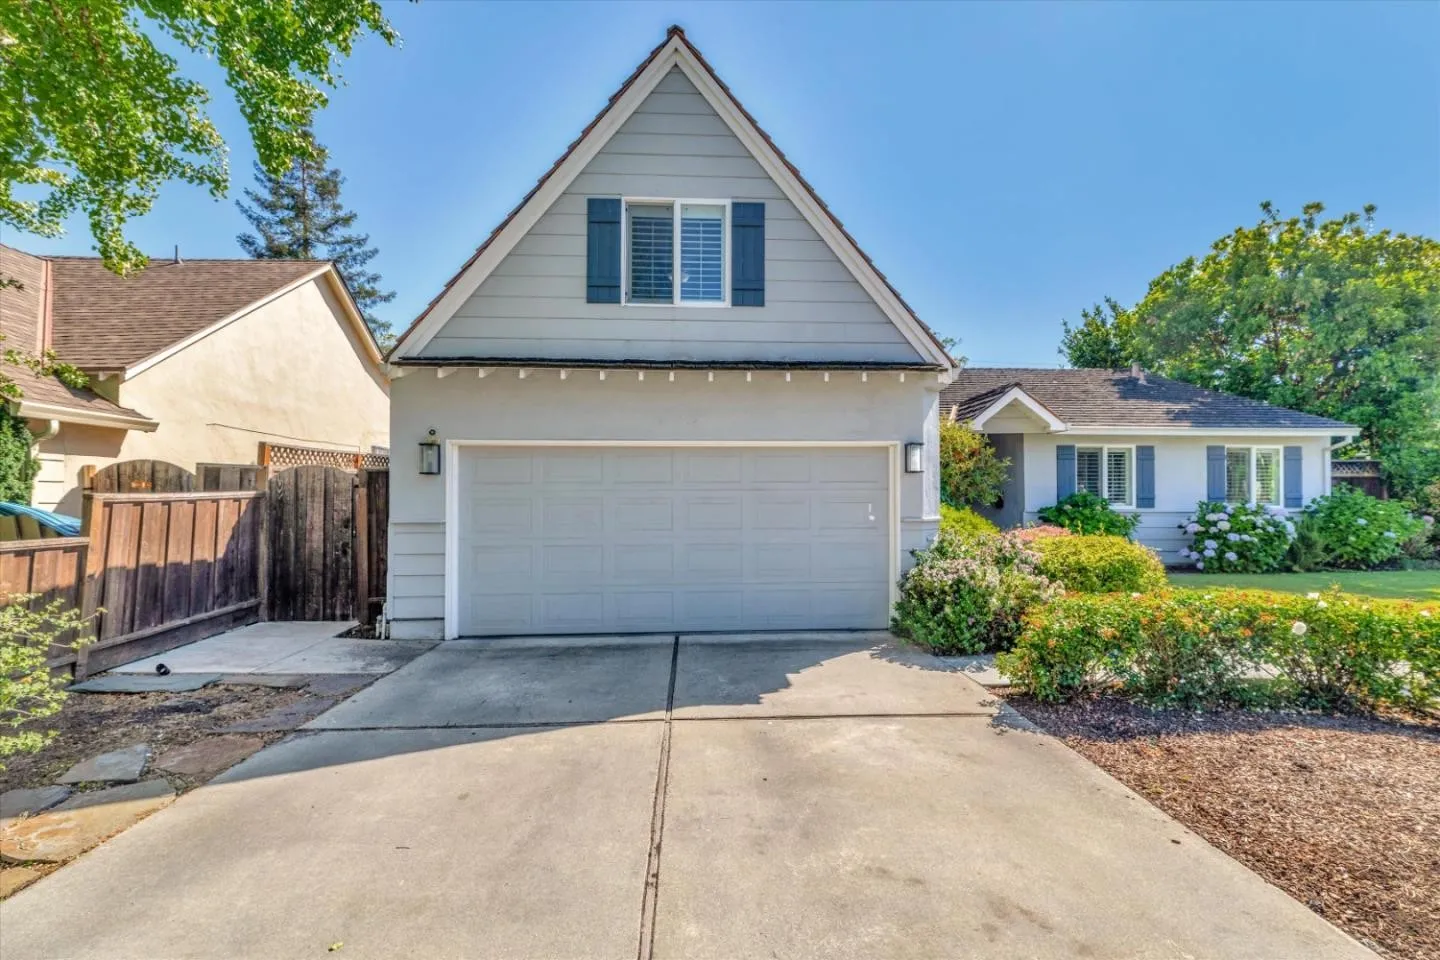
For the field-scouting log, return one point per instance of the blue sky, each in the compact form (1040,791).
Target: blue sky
(1004,164)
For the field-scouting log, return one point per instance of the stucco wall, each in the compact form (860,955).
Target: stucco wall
(1179,477)
(691,408)
(291,371)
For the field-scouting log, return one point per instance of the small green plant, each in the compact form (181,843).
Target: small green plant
(964,522)
(969,594)
(1357,531)
(29,690)
(1085,512)
(970,472)
(1237,537)
(1099,564)
(17,460)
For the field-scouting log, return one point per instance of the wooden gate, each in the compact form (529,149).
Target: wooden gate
(142,476)
(327,543)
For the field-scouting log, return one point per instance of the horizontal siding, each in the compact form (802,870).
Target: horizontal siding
(417,571)
(533,304)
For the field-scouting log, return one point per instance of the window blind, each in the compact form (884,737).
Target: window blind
(1087,471)
(1267,476)
(1237,474)
(1117,476)
(652,253)
(702,252)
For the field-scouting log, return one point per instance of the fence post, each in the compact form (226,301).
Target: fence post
(362,546)
(262,551)
(96,530)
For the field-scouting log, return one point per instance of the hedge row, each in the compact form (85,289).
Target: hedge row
(1194,648)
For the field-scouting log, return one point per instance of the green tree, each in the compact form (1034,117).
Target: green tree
(298,216)
(94,117)
(970,472)
(1105,337)
(1334,317)
(29,690)
(18,465)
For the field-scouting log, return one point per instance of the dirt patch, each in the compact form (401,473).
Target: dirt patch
(94,723)
(1340,812)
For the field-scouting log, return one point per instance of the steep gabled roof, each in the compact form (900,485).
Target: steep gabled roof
(1090,398)
(675,51)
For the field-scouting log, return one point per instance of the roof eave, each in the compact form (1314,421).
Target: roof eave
(36,410)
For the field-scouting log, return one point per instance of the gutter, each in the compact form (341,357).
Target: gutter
(35,410)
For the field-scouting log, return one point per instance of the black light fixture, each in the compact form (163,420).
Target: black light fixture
(429,455)
(914,458)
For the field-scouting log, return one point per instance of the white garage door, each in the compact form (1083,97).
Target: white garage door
(648,539)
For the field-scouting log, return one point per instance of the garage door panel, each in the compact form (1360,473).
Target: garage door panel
(595,540)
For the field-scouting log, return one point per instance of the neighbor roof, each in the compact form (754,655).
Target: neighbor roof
(22,323)
(102,321)
(675,40)
(1116,398)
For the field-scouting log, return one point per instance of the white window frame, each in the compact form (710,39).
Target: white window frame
(677,203)
(1134,481)
(1254,475)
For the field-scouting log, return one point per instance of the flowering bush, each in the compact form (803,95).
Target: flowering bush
(1201,648)
(1096,564)
(968,594)
(1237,537)
(1040,532)
(1353,529)
(970,471)
(962,521)
(1084,512)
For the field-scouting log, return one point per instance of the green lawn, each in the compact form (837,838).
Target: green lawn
(1390,584)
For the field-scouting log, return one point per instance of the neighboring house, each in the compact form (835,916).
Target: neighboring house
(670,391)
(189,361)
(1148,444)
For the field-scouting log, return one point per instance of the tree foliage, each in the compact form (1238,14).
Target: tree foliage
(1105,337)
(94,116)
(29,690)
(970,472)
(1334,317)
(18,465)
(298,216)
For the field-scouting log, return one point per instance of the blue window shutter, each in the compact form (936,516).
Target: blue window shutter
(1145,476)
(1064,471)
(1215,472)
(1294,487)
(747,245)
(602,251)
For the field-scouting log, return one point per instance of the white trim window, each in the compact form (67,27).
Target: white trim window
(663,234)
(1107,472)
(1254,475)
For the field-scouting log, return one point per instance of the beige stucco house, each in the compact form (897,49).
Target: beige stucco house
(670,392)
(189,361)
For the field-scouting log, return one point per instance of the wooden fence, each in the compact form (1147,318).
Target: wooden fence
(157,570)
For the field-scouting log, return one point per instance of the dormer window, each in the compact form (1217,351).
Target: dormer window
(659,234)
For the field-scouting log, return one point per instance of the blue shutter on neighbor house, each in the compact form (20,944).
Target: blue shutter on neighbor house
(602,251)
(1294,487)
(747,243)
(1064,471)
(1145,476)
(1215,472)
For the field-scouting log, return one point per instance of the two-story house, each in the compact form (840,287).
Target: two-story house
(668,392)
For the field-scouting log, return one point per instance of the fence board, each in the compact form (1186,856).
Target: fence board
(52,569)
(179,554)
(314,552)
(142,476)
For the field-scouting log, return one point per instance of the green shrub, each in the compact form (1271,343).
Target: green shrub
(962,521)
(969,594)
(1099,564)
(1084,512)
(29,691)
(18,464)
(1237,537)
(1196,648)
(1357,531)
(970,472)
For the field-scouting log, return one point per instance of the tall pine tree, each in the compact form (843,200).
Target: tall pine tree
(299,216)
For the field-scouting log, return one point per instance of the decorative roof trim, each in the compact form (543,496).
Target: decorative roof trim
(1018,395)
(675,51)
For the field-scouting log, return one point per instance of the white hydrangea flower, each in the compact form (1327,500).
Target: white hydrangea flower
(1298,628)
(1192,528)
(1209,552)
(1390,534)
(1199,564)
(1223,524)
(1361,522)
(1231,556)
(1211,544)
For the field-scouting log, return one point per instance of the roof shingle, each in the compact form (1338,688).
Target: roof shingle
(1114,398)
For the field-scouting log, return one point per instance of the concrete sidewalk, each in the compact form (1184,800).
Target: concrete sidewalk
(285,647)
(830,796)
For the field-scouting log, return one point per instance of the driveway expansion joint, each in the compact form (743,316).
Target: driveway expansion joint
(651,894)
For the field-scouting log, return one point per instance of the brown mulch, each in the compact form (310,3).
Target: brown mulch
(1341,812)
(93,723)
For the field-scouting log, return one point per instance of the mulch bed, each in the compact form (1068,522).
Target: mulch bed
(1341,812)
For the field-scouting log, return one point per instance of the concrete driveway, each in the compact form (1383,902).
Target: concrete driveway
(800,796)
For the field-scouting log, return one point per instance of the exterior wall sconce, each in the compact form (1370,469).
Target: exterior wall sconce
(914,458)
(429,455)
